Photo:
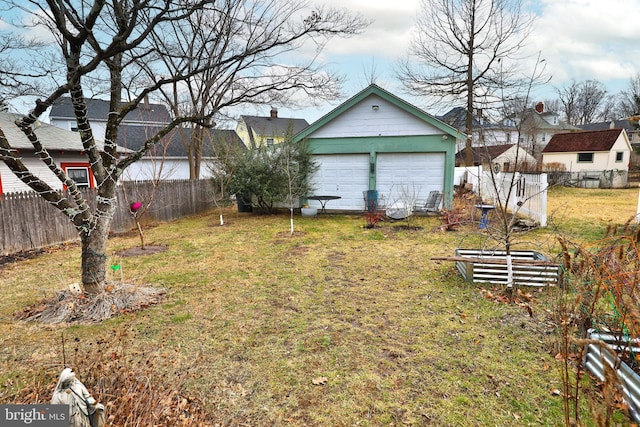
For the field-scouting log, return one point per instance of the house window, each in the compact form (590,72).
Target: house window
(619,156)
(585,157)
(80,173)
(269,141)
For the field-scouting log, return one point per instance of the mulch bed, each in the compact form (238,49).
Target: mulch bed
(70,307)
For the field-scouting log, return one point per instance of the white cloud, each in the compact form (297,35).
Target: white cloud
(589,39)
(388,35)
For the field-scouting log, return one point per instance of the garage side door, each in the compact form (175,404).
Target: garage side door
(409,176)
(344,175)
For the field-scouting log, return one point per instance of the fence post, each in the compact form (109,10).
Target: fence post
(542,196)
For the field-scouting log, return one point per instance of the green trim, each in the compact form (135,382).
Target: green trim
(381,144)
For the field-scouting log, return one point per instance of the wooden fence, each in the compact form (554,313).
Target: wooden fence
(27,221)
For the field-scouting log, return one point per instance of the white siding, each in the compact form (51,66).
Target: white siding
(146,169)
(363,121)
(11,183)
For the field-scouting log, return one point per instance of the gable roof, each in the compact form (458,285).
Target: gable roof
(484,154)
(374,89)
(51,137)
(98,109)
(273,126)
(533,119)
(133,137)
(599,140)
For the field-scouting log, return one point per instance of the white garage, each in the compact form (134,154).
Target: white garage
(377,141)
(344,175)
(407,177)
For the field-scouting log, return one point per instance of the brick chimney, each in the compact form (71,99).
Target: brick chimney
(540,107)
(274,113)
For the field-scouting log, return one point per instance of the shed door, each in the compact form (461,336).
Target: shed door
(403,178)
(344,175)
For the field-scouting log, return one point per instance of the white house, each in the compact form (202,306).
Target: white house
(603,153)
(502,158)
(535,127)
(168,159)
(485,133)
(64,146)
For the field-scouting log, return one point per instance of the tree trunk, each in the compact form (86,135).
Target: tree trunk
(94,247)
(94,260)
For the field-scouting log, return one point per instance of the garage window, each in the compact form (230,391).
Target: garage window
(619,156)
(585,157)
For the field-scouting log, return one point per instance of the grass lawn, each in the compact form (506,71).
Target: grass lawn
(337,325)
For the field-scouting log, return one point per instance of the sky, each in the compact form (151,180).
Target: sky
(578,39)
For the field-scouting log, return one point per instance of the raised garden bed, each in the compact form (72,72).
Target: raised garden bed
(529,268)
(597,355)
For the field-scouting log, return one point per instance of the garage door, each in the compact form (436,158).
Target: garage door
(403,178)
(344,175)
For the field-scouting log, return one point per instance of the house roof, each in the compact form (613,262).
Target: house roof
(599,140)
(133,137)
(274,126)
(628,125)
(483,154)
(51,137)
(374,89)
(533,119)
(98,109)
(457,117)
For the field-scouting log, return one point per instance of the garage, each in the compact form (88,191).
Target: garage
(403,178)
(344,175)
(377,141)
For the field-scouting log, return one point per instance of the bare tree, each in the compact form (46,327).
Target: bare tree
(218,44)
(592,95)
(467,48)
(569,99)
(629,98)
(227,152)
(583,102)
(111,44)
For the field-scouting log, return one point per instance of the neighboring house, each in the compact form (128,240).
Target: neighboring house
(597,155)
(147,114)
(377,141)
(256,130)
(485,133)
(536,128)
(168,159)
(501,158)
(64,146)
(631,127)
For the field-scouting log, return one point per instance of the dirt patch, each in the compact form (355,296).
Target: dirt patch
(405,227)
(33,253)
(140,251)
(284,234)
